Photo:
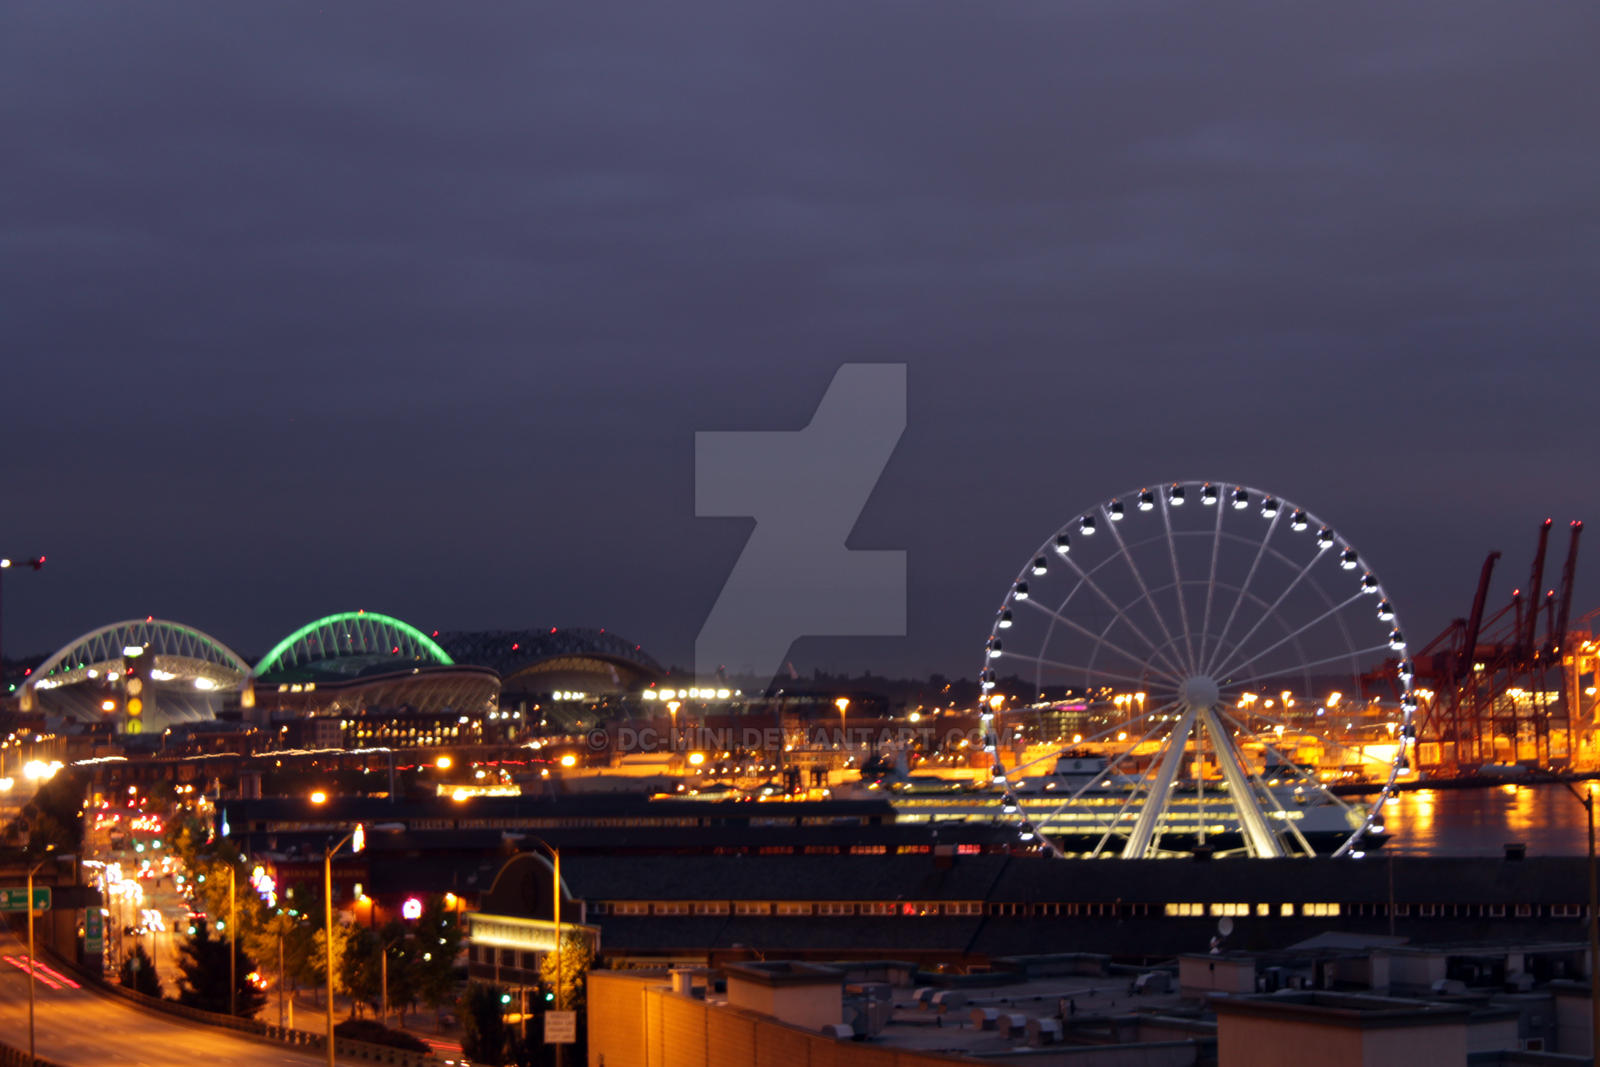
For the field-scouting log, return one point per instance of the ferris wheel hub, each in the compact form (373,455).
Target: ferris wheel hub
(1199,692)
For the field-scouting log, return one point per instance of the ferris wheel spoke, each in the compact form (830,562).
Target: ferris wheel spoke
(1144,587)
(1230,666)
(1211,581)
(1114,830)
(1276,604)
(1144,827)
(1111,764)
(1258,835)
(1175,668)
(1102,735)
(1296,772)
(1277,805)
(1353,655)
(1075,667)
(1177,582)
(1102,640)
(1244,586)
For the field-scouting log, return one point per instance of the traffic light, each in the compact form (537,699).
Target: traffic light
(138,687)
(505,998)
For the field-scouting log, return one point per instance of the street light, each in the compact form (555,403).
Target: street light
(555,915)
(1586,798)
(358,841)
(233,944)
(33,958)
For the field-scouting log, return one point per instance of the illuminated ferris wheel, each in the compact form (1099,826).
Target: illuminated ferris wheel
(1192,666)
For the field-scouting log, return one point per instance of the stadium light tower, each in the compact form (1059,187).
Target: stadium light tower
(6,563)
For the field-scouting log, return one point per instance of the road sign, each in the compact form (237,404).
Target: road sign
(15,898)
(94,932)
(560,1027)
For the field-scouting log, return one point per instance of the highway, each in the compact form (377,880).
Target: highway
(76,1027)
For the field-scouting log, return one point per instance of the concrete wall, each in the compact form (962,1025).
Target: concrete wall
(635,1020)
(1492,1034)
(1198,975)
(1243,1041)
(1574,1026)
(1415,971)
(1248,1041)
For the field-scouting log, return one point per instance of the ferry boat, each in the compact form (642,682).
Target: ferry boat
(1199,816)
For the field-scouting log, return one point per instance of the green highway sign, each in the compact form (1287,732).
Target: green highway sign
(94,937)
(15,898)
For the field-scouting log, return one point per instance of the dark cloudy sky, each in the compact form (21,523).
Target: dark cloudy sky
(417,307)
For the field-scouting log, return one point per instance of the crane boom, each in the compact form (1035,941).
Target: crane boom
(1558,638)
(1469,639)
(1530,621)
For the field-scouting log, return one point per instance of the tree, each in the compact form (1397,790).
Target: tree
(319,956)
(203,965)
(360,967)
(139,973)
(296,935)
(483,1024)
(438,942)
(405,967)
(55,815)
(569,984)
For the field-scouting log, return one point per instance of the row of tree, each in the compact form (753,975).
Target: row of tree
(286,942)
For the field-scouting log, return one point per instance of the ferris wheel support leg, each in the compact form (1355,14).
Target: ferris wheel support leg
(1257,834)
(1144,827)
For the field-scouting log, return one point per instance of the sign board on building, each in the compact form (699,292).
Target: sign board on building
(560,1027)
(15,898)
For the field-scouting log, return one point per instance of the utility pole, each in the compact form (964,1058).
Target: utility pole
(1586,798)
(233,944)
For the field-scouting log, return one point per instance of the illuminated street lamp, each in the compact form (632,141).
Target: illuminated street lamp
(843,704)
(358,841)
(33,958)
(555,915)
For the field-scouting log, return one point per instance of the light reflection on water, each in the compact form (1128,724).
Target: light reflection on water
(1480,822)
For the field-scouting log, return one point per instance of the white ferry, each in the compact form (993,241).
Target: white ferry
(1199,813)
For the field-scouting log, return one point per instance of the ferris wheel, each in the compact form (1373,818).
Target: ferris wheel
(1192,665)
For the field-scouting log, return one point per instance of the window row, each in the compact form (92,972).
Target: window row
(789,908)
(1100,909)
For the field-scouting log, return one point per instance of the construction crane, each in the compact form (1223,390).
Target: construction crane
(1485,683)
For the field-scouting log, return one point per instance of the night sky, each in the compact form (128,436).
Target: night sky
(417,307)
